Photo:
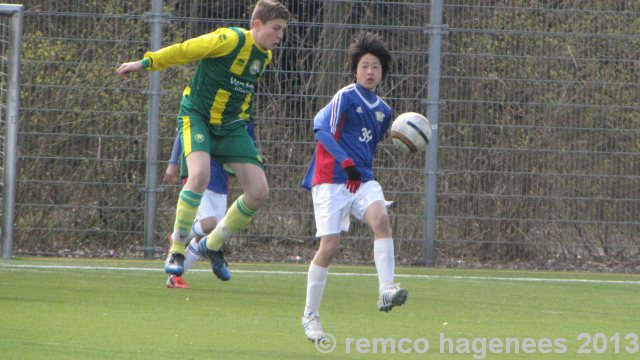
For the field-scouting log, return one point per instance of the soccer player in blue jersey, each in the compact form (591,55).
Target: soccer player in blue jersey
(214,111)
(341,179)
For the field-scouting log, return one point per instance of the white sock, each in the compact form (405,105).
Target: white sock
(316,279)
(385,261)
(191,254)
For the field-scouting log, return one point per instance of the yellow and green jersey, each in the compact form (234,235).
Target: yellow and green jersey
(229,68)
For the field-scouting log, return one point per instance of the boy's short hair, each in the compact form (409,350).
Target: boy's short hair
(369,43)
(266,10)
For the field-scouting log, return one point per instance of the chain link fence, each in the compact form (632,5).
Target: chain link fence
(540,137)
(538,134)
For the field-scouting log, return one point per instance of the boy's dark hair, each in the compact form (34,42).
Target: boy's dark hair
(369,43)
(266,10)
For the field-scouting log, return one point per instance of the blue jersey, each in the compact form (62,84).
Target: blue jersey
(350,126)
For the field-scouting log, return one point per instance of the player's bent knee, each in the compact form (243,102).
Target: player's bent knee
(197,182)
(332,250)
(329,248)
(208,224)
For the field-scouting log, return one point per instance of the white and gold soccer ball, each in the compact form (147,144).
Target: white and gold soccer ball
(411,132)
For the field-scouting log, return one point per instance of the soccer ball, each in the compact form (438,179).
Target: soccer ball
(411,132)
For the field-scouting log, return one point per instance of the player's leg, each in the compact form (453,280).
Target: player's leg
(376,216)
(318,271)
(316,282)
(253,182)
(246,163)
(188,202)
(192,254)
(191,195)
(202,226)
(196,145)
(331,204)
(212,208)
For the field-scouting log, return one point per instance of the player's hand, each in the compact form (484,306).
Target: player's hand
(171,174)
(353,175)
(125,69)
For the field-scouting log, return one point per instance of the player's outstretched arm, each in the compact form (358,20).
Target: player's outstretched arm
(125,69)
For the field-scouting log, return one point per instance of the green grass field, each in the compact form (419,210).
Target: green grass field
(114,309)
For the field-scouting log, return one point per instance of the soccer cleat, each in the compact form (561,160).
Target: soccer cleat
(176,282)
(393,296)
(174,264)
(218,263)
(313,328)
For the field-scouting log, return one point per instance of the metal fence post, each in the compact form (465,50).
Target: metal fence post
(435,41)
(11,134)
(156,18)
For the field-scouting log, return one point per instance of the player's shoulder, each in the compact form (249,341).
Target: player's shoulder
(238,31)
(227,35)
(349,89)
(220,42)
(346,93)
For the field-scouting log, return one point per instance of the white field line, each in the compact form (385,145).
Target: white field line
(301,273)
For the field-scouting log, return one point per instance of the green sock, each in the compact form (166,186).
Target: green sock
(237,217)
(186,211)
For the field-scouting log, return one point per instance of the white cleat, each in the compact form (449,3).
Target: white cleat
(393,296)
(313,328)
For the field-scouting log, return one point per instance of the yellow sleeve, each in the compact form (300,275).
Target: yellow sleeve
(218,43)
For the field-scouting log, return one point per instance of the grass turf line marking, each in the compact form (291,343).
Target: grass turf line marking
(275,272)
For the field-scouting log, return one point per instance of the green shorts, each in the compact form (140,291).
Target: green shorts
(234,146)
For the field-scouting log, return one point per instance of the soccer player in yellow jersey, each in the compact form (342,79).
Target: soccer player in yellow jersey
(214,111)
